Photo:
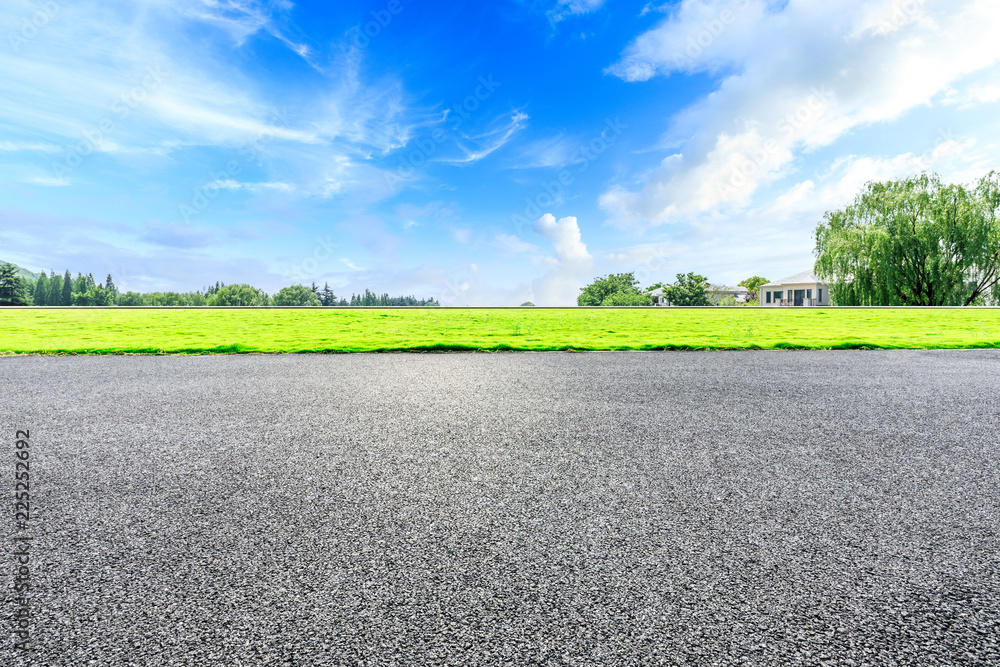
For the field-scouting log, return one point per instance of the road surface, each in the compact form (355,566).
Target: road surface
(782,507)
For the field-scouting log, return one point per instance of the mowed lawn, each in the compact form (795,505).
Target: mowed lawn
(209,330)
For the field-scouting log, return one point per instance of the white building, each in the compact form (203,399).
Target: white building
(716,292)
(802,289)
(658,298)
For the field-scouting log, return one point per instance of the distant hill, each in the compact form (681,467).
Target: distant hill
(24,273)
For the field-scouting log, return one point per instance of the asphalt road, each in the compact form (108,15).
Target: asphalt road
(779,507)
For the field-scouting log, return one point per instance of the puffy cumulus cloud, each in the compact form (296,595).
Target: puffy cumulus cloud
(794,76)
(960,159)
(565,234)
(570,266)
(774,237)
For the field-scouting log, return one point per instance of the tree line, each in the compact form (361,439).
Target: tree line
(53,289)
(689,289)
(914,241)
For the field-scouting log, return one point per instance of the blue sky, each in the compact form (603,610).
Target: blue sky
(477,153)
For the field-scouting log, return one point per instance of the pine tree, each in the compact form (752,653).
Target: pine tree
(327,297)
(13,290)
(55,290)
(67,290)
(109,285)
(41,295)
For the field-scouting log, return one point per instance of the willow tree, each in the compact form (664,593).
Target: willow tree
(914,242)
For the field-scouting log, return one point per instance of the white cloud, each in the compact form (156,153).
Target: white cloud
(159,77)
(477,147)
(564,9)
(794,77)
(510,244)
(565,234)
(974,95)
(230,184)
(16,146)
(570,266)
(551,152)
(48,181)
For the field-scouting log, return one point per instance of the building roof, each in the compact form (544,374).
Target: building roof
(739,289)
(797,279)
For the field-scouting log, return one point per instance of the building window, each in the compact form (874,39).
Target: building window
(819,293)
(769,297)
(809,294)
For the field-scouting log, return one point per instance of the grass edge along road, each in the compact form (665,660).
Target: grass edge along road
(275,330)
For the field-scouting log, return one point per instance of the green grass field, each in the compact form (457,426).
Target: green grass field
(199,331)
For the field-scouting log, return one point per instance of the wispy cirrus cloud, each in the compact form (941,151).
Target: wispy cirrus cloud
(122,78)
(17,146)
(476,147)
(565,9)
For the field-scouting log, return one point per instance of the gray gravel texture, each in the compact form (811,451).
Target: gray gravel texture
(832,507)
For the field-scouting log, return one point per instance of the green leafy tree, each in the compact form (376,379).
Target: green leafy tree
(727,301)
(753,287)
(627,299)
(596,292)
(66,298)
(296,295)
(129,299)
(527,304)
(41,294)
(914,242)
(97,295)
(174,299)
(690,289)
(13,288)
(83,298)
(239,295)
